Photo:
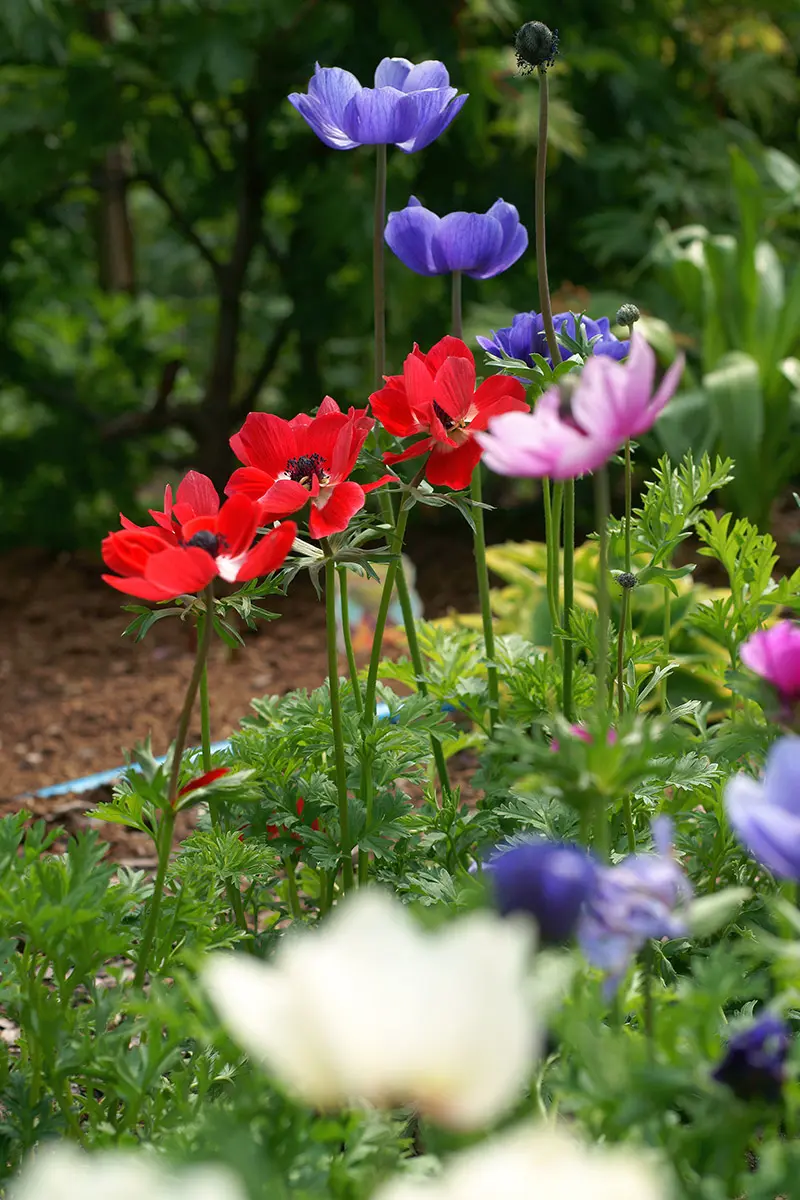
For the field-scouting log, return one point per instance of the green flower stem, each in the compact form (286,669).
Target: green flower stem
(291,885)
(336,718)
(378,265)
(628,505)
(662,686)
(627,808)
(476,491)
(602,506)
(545,304)
(205,718)
(549,537)
(169,812)
(344,603)
(569,582)
(456,322)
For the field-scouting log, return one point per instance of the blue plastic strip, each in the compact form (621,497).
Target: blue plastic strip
(88,782)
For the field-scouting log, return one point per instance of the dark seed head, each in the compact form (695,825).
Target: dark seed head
(305,467)
(627,580)
(444,417)
(205,540)
(536,45)
(627,314)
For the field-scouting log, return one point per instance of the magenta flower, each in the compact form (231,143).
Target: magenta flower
(612,402)
(774,654)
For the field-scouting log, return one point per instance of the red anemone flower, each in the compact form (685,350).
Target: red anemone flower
(289,463)
(188,547)
(436,395)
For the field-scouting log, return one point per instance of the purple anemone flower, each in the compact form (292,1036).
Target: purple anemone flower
(765,814)
(525,337)
(479,244)
(633,902)
(409,105)
(551,881)
(754,1065)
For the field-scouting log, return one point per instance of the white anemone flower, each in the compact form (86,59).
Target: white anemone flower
(62,1172)
(373,1008)
(537,1162)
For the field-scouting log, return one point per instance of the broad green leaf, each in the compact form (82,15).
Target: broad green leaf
(735,393)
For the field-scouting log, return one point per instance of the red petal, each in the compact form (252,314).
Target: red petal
(503,405)
(251,481)
(285,497)
(392,408)
(455,387)
(370,487)
(300,805)
(269,553)
(204,780)
(498,387)
(181,570)
(453,468)
(127,551)
(265,441)
(328,405)
(448,347)
(237,525)
(320,437)
(199,493)
(348,447)
(142,589)
(419,388)
(341,503)
(410,452)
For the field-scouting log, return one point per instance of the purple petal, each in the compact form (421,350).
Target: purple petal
(524,327)
(314,115)
(612,348)
(333,88)
(433,118)
(410,234)
(770,833)
(782,775)
(513,245)
(428,74)
(467,242)
(392,72)
(492,345)
(380,116)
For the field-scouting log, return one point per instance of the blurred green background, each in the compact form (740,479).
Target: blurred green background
(177,247)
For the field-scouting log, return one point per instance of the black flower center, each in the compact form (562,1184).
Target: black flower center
(204,539)
(444,417)
(304,468)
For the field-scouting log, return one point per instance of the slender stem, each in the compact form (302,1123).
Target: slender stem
(662,687)
(541,240)
(205,720)
(628,504)
(164,848)
(336,721)
(552,601)
(205,628)
(569,576)
(378,265)
(456,322)
(347,634)
(476,491)
(602,505)
(389,581)
(623,617)
(291,884)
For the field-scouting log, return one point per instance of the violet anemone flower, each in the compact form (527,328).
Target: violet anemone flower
(525,337)
(774,654)
(479,244)
(551,881)
(409,105)
(610,403)
(754,1065)
(765,814)
(636,900)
